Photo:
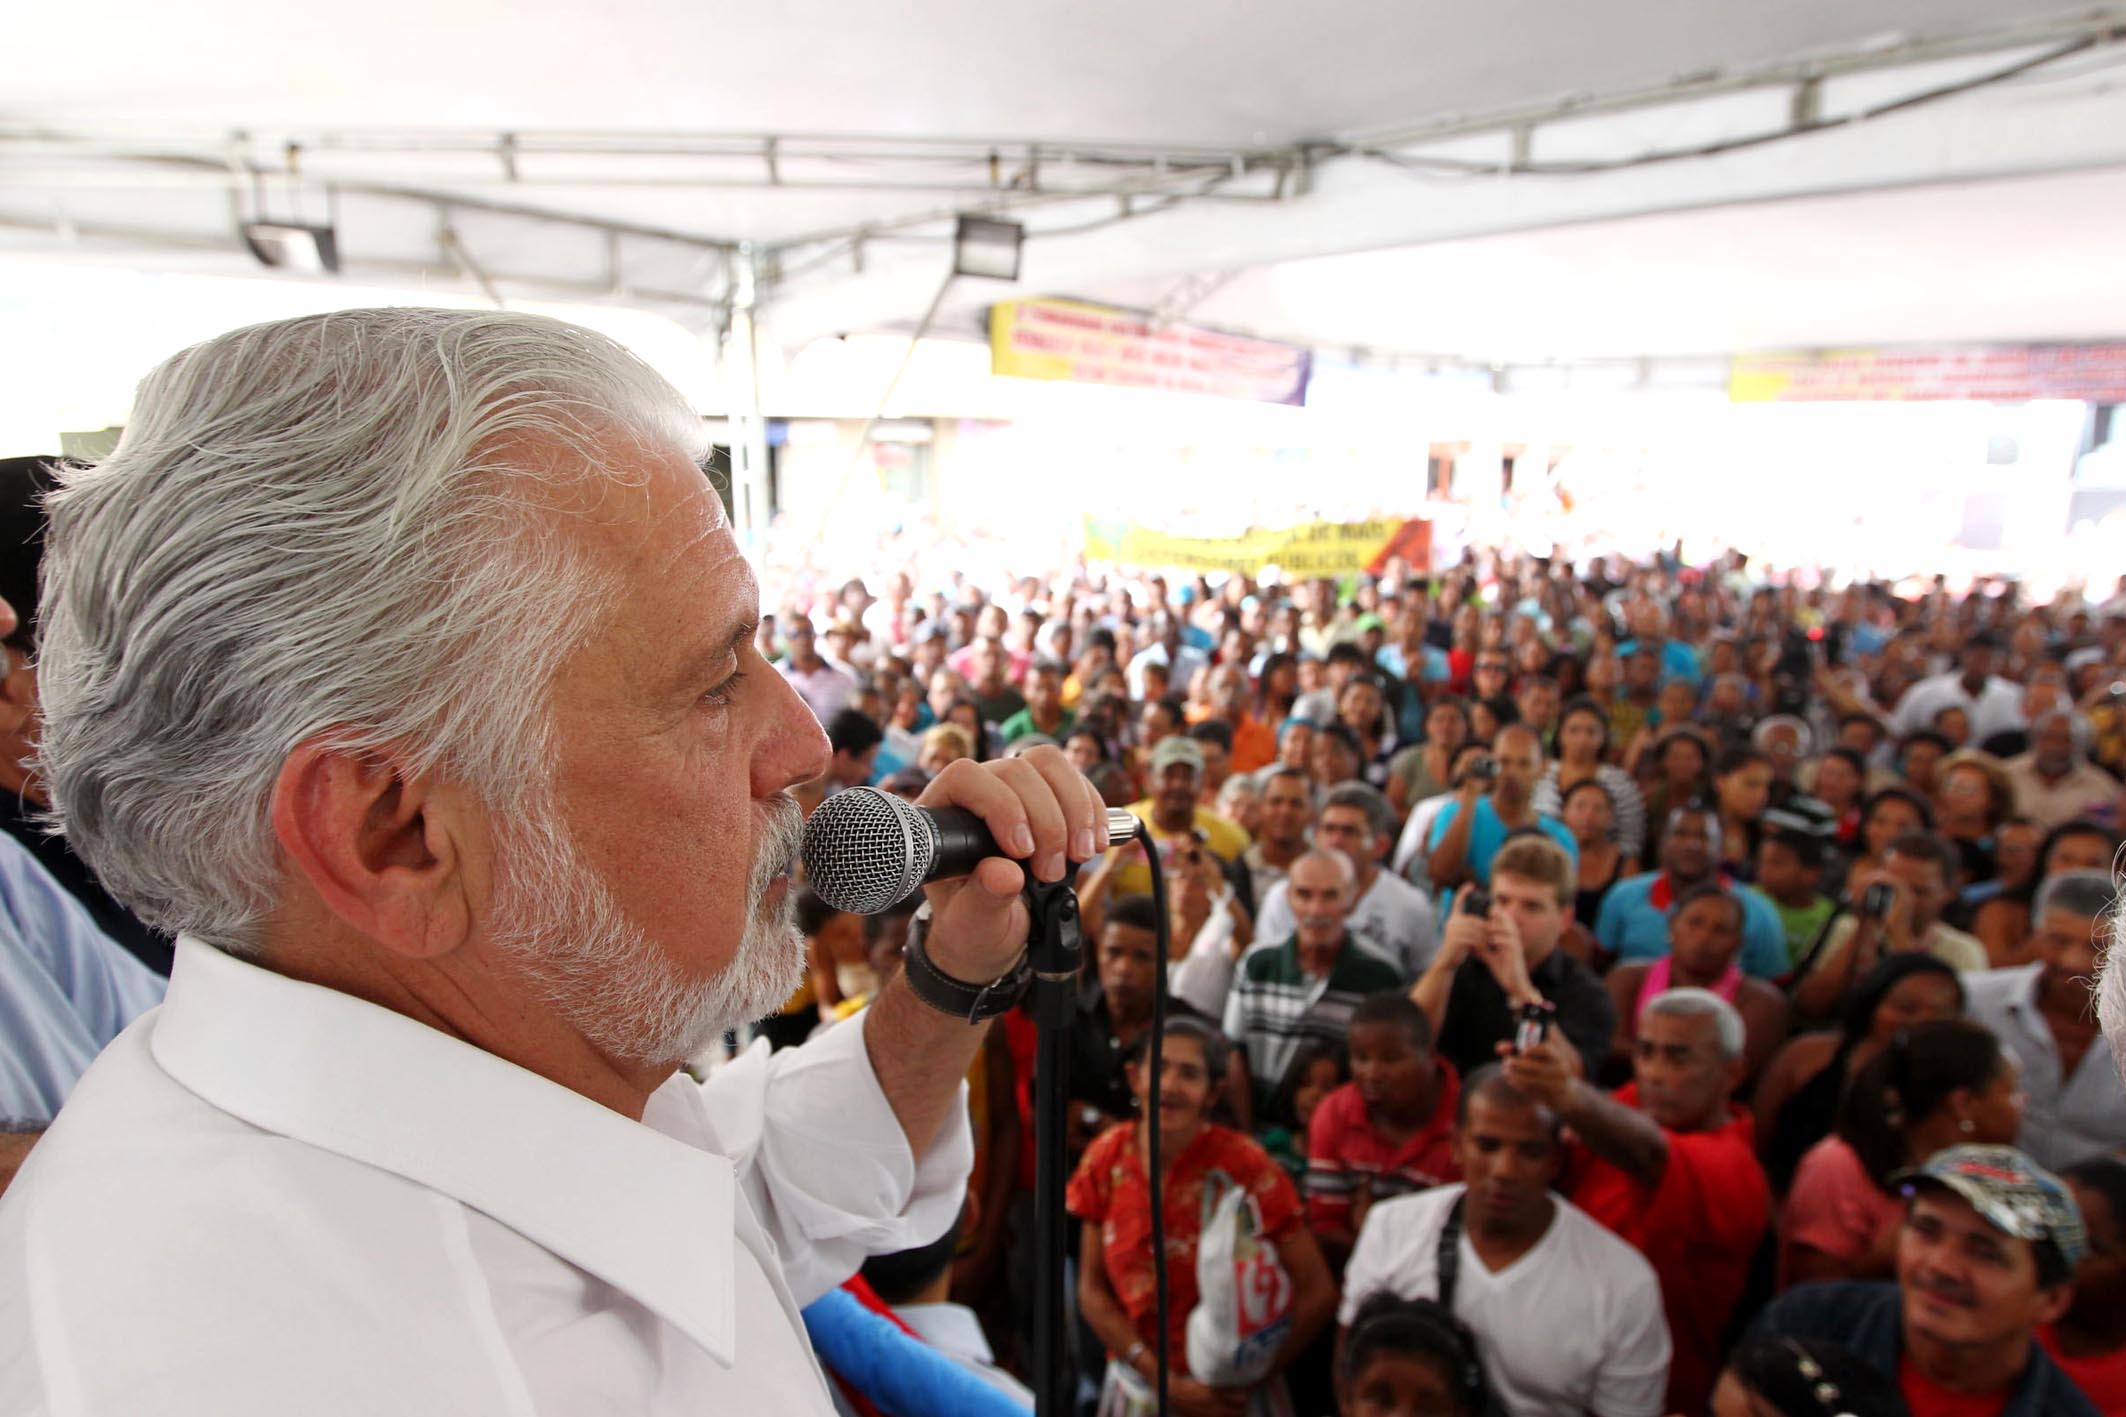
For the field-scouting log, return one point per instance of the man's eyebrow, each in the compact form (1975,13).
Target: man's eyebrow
(703,661)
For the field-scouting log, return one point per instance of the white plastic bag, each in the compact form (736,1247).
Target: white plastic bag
(1125,1393)
(1244,1307)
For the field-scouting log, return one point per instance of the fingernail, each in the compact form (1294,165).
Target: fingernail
(1022,840)
(1081,845)
(1058,866)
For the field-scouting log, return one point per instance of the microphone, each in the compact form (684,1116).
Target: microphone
(866,850)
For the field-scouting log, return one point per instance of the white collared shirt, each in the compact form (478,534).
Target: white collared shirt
(2065,1119)
(269,1197)
(1996,708)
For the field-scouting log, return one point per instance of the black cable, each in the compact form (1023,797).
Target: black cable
(1162,946)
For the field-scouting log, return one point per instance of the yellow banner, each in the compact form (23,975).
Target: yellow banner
(1314,549)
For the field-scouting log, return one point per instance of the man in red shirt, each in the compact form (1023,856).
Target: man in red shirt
(1670,1164)
(2089,1340)
(1386,1132)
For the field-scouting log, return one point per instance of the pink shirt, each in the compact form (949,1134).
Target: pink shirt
(1662,972)
(1833,1207)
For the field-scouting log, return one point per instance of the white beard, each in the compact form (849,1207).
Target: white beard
(601,973)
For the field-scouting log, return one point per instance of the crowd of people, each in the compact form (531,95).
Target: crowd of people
(1625,989)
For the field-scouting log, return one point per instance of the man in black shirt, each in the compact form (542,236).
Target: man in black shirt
(1113,1008)
(1490,965)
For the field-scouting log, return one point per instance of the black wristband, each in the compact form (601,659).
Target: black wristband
(976,1003)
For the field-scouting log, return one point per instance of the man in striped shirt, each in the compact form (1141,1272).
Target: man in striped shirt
(1302,989)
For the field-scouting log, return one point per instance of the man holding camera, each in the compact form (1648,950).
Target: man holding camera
(1493,799)
(1896,910)
(1499,956)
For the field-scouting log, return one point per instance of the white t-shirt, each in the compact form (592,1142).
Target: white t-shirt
(1393,916)
(1410,846)
(1574,1325)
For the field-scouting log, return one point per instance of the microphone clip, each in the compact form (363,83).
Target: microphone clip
(1055,948)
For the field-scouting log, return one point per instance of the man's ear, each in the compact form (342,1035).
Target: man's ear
(2053,1303)
(379,845)
(18,689)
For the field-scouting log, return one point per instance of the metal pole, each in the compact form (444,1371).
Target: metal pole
(749,431)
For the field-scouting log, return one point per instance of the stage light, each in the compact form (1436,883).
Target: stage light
(291,246)
(984,246)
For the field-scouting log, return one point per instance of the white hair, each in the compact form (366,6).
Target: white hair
(1703,1003)
(328,525)
(2111,983)
(2089,894)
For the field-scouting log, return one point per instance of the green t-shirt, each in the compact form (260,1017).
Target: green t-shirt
(1021,723)
(1802,922)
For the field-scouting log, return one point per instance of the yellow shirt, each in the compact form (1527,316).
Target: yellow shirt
(1226,839)
(1952,947)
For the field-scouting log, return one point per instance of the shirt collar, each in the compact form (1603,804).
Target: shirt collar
(952,1329)
(1662,893)
(2024,994)
(641,1209)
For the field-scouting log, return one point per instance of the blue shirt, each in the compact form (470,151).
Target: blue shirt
(1678,660)
(1487,834)
(1631,926)
(66,989)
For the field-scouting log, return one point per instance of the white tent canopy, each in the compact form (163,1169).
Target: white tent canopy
(1173,157)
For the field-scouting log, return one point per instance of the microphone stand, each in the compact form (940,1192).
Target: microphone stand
(1056,949)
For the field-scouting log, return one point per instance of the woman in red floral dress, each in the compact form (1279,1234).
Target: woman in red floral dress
(1110,1193)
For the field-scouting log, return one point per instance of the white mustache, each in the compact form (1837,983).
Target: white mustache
(779,844)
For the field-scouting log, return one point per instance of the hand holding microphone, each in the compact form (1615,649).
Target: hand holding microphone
(971,837)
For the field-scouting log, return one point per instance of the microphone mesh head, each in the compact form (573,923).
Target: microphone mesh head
(866,849)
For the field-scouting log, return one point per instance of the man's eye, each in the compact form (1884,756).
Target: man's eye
(722,693)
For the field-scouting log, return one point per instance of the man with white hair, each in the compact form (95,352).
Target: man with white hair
(403,664)
(1669,1163)
(2074,1106)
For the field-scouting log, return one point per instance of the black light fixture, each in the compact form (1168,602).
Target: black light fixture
(984,246)
(294,246)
